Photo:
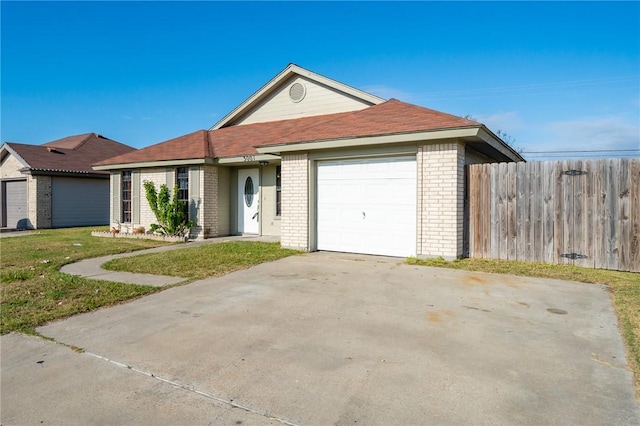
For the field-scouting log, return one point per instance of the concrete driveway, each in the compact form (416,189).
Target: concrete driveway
(328,338)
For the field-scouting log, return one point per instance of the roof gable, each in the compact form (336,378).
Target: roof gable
(295,93)
(74,154)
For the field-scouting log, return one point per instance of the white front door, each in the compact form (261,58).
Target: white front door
(248,201)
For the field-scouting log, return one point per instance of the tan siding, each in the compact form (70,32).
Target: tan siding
(269,221)
(319,100)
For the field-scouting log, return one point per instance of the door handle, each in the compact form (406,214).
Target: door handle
(364,215)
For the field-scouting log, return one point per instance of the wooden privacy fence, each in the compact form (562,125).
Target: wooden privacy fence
(580,212)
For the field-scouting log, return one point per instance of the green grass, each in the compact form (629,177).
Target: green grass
(624,286)
(33,292)
(204,261)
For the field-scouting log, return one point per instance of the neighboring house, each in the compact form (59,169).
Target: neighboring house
(53,185)
(320,164)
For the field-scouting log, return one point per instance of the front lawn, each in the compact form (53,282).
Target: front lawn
(33,292)
(624,286)
(209,260)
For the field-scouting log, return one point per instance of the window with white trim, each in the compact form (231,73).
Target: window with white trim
(182,181)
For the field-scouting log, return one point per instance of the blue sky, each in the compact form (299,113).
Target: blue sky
(552,75)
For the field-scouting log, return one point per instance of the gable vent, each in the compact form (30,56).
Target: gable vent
(297,92)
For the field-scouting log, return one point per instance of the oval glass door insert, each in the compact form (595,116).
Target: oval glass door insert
(248,191)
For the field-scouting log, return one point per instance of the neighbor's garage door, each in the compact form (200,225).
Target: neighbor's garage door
(367,206)
(14,204)
(79,202)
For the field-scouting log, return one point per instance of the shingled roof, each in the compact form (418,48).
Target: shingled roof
(70,155)
(388,118)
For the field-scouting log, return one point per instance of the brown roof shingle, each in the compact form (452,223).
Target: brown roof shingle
(190,146)
(73,154)
(390,117)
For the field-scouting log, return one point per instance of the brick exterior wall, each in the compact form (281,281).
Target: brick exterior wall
(209,197)
(158,177)
(207,194)
(10,168)
(39,201)
(440,200)
(295,201)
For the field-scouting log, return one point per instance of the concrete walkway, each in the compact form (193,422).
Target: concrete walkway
(92,268)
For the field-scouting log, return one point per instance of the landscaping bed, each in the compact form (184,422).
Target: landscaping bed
(139,236)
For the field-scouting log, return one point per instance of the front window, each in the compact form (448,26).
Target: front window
(126,197)
(278,190)
(182,180)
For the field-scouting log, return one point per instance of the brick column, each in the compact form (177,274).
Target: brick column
(295,201)
(39,193)
(440,200)
(209,208)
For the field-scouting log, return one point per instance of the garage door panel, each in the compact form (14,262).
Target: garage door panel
(14,204)
(79,202)
(367,206)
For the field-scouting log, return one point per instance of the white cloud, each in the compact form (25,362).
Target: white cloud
(583,138)
(595,133)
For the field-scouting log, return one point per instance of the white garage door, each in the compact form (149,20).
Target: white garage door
(14,204)
(367,206)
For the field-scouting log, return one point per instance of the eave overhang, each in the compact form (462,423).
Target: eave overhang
(149,164)
(63,173)
(250,159)
(370,140)
(475,135)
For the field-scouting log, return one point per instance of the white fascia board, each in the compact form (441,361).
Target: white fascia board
(466,132)
(290,70)
(247,159)
(498,144)
(6,147)
(148,164)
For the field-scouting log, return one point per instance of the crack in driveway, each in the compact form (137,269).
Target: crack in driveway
(189,388)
